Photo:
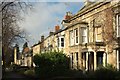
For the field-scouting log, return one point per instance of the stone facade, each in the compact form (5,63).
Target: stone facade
(91,38)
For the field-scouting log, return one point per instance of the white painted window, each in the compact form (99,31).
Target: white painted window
(118,25)
(98,33)
(60,41)
(76,36)
(71,38)
(118,59)
(84,34)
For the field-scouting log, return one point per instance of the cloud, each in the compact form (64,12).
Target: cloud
(42,19)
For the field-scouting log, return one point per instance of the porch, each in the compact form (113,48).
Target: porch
(93,60)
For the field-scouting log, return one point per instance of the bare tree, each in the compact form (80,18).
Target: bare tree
(11,33)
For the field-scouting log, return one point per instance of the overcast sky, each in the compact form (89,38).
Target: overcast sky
(44,16)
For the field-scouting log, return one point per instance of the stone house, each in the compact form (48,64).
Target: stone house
(26,59)
(91,37)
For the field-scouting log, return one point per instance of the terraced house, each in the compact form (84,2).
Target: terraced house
(90,38)
(93,35)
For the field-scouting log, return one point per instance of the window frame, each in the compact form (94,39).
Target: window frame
(118,24)
(62,42)
(97,33)
(83,42)
(76,33)
(59,42)
(71,38)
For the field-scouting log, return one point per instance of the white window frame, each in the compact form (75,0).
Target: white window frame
(61,42)
(59,39)
(82,35)
(118,25)
(71,37)
(118,62)
(96,39)
(76,36)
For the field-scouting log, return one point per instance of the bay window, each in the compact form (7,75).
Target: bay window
(76,35)
(98,33)
(84,34)
(60,41)
(71,38)
(118,25)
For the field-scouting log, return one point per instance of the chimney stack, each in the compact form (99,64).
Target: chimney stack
(42,38)
(57,27)
(68,15)
(51,33)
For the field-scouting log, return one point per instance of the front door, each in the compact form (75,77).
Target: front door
(99,59)
(91,61)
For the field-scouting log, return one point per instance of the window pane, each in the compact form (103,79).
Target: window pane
(76,32)
(72,60)
(76,39)
(62,42)
(71,38)
(84,34)
(83,31)
(119,55)
(98,34)
(119,20)
(77,56)
(84,39)
(76,35)
(119,31)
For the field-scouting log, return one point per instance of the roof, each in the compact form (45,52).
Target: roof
(26,50)
(81,22)
(87,9)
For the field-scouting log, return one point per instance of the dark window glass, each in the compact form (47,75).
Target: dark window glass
(62,42)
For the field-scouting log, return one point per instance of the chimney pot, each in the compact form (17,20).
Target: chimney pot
(57,28)
(42,38)
(51,33)
(68,15)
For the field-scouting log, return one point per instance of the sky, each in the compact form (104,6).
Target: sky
(44,16)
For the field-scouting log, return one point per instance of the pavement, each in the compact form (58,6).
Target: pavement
(16,76)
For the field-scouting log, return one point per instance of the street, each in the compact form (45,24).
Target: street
(17,76)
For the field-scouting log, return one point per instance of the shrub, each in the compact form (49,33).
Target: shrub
(14,67)
(108,72)
(51,64)
(29,72)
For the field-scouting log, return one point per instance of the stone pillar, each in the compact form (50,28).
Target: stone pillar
(84,60)
(95,60)
(104,59)
(87,60)
(15,55)
(71,60)
(117,59)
